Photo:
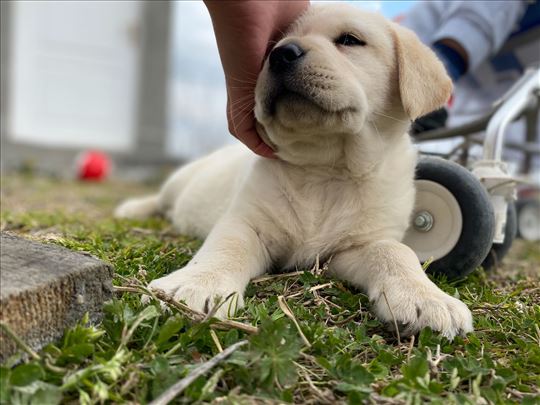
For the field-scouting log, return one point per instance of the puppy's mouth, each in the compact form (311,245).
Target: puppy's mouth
(282,94)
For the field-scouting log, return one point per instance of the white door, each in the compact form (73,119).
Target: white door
(74,73)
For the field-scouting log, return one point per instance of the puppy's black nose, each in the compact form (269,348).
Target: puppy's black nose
(285,57)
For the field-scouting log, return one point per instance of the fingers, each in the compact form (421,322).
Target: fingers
(243,30)
(264,150)
(242,125)
(253,141)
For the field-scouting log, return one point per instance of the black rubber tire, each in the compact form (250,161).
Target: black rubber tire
(478,218)
(526,203)
(499,250)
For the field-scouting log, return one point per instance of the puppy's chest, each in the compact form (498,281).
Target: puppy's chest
(323,215)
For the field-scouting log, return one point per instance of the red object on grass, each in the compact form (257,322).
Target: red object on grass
(93,165)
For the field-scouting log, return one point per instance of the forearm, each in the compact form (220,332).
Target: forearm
(479,28)
(244,31)
(261,21)
(232,21)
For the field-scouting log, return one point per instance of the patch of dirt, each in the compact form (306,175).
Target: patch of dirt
(522,261)
(97,200)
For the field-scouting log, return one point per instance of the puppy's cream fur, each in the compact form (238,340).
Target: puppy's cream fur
(342,186)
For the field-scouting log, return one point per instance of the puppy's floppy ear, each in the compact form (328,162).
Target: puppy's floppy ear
(424,85)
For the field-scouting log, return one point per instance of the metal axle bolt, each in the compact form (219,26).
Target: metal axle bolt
(423,221)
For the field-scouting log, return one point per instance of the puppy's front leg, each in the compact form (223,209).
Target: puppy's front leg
(399,289)
(232,255)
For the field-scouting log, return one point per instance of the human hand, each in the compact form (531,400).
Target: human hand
(244,31)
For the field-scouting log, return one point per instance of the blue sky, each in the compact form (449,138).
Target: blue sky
(391,9)
(197,94)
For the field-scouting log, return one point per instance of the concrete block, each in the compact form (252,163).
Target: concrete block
(45,289)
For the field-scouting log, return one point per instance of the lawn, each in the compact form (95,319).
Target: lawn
(310,338)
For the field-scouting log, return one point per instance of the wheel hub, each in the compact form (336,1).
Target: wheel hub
(437,221)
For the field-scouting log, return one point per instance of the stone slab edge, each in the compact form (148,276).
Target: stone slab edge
(46,288)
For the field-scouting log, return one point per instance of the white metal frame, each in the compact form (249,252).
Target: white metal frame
(491,170)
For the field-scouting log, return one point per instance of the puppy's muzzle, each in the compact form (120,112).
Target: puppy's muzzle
(285,58)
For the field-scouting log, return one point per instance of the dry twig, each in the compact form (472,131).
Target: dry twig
(177,388)
(18,341)
(287,311)
(276,277)
(393,318)
(196,316)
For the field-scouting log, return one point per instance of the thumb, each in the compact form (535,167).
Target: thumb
(253,141)
(247,134)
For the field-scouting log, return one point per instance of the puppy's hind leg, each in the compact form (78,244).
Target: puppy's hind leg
(161,203)
(139,208)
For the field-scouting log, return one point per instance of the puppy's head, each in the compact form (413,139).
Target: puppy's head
(340,71)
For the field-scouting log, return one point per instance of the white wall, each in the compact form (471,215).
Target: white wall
(74,73)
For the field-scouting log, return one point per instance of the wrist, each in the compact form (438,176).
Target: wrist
(242,30)
(453,57)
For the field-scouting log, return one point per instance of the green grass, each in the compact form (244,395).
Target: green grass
(138,351)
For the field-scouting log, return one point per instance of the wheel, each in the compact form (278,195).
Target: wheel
(453,221)
(528,219)
(499,250)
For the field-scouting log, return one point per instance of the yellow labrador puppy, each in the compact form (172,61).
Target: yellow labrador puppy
(335,98)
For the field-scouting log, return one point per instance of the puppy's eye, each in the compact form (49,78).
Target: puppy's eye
(349,40)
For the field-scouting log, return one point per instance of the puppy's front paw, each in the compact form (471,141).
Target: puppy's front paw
(202,291)
(415,308)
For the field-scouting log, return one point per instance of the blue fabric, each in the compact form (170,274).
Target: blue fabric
(506,61)
(530,19)
(452,60)
(481,27)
